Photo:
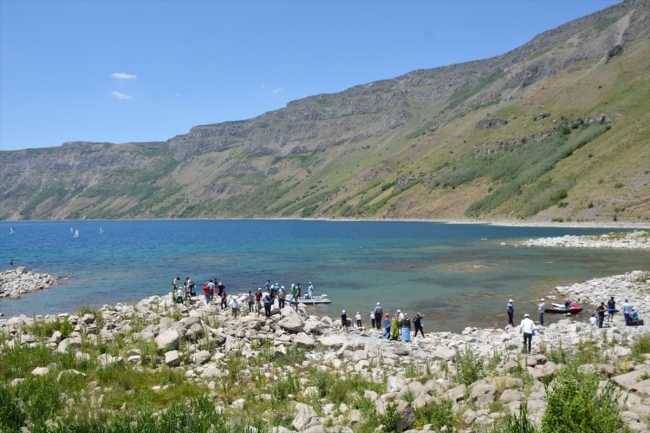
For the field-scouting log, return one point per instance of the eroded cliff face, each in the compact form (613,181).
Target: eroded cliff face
(352,153)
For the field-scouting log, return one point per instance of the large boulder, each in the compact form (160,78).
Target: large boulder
(172,358)
(168,339)
(304,415)
(406,415)
(303,340)
(293,323)
(483,392)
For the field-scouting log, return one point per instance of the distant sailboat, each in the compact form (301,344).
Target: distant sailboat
(12,231)
(76,234)
(101,231)
(71,231)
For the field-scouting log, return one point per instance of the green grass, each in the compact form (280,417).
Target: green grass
(468,90)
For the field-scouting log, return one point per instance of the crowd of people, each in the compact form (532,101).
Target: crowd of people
(397,328)
(527,326)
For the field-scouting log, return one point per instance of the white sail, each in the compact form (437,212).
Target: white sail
(12,230)
(76,233)
(71,231)
(101,231)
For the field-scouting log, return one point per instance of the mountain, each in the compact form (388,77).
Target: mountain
(557,128)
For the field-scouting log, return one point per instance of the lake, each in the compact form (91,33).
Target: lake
(455,275)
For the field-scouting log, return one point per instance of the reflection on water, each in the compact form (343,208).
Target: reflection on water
(443,271)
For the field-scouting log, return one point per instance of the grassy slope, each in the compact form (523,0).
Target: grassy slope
(357,179)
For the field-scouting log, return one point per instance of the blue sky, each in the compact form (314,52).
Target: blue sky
(145,71)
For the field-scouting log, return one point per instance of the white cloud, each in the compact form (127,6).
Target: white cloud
(277,90)
(123,76)
(119,95)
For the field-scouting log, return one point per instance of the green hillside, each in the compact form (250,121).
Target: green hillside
(554,130)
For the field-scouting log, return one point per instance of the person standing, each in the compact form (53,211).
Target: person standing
(601,314)
(394,327)
(268,301)
(627,310)
(258,300)
(224,299)
(406,328)
(212,288)
(379,313)
(282,297)
(611,309)
(268,285)
(372,319)
(417,324)
(386,335)
(540,309)
(310,291)
(234,307)
(294,295)
(186,287)
(344,321)
(511,312)
(179,296)
(358,319)
(527,327)
(251,301)
(11,263)
(206,293)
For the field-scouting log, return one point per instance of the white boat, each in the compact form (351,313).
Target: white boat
(101,231)
(12,231)
(322,299)
(76,234)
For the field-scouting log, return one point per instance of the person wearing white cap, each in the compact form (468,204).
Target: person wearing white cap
(511,312)
(358,318)
(379,314)
(344,321)
(540,309)
(282,297)
(527,327)
(310,291)
(372,319)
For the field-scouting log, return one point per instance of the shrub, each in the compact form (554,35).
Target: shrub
(559,195)
(590,205)
(640,347)
(521,423)
(577,404)
(439,415)
(469,367)
(619,185)
(566,130)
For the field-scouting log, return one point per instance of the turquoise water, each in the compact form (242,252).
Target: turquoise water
(447,272)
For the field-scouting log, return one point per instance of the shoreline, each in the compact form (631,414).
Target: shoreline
(627,225)
(205,347)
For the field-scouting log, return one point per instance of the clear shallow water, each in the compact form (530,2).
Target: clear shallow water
(446,272)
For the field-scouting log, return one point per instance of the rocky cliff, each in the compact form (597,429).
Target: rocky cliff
(351,153)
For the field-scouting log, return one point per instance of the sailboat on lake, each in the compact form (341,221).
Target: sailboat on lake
(12,231)
(101,231)
(76,234)
(71,231)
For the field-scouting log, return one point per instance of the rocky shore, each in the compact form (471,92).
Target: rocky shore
(296,360)
(14,283)
(637,239)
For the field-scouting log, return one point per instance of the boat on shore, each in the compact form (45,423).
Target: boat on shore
(562,309)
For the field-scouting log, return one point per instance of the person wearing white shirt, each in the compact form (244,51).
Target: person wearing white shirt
(593,321)
(527,327)
(234,305)
(358,317)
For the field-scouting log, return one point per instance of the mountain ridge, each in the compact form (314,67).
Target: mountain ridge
(333,155)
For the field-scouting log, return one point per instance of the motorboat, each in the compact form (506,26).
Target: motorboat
(322,299)
(562,309)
